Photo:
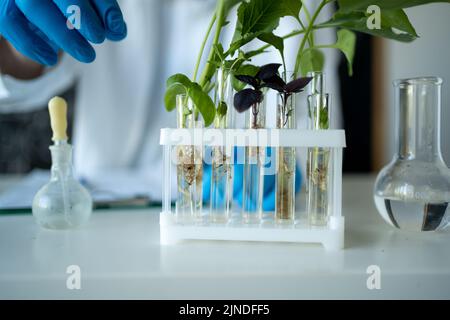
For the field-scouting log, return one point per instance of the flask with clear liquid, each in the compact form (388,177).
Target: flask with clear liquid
(413,191)
(63,203)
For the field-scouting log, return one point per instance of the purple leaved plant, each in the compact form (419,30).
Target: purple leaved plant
(267,77)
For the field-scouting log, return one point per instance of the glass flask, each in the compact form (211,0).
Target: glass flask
(63,203)
(413,191)
(254,160)
(221,168)
(318,170)
(189,161)
(286,162)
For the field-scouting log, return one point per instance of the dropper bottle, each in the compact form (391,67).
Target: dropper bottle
(63,203)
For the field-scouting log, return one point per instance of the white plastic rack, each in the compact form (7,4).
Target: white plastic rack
(330,236)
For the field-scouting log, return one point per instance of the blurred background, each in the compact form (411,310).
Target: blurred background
(366,99)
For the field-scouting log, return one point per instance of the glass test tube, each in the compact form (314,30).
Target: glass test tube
(254,161)
(319,175)
(189,160)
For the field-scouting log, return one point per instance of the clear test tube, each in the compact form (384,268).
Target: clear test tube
(319,159)
(254,161)
(189,167)
(221,160)
(286,163)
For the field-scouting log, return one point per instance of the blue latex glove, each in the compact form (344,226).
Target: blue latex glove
(269,185)
(38,28)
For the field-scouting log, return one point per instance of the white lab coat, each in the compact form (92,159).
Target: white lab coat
(119,100)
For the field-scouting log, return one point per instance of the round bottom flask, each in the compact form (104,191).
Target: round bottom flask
(63,203)
(413,191)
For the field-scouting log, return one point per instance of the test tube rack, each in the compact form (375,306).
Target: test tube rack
(331,236)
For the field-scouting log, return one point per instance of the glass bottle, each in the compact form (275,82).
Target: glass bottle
(319,180)
(286,162)
(413,191)
(189,160)
(254,160)
(63,203)
(221,159)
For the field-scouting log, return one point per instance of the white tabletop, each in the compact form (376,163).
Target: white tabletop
(120,257)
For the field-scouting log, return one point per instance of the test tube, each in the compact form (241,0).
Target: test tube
(254,161)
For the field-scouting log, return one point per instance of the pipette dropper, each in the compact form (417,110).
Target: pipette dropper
(58,120)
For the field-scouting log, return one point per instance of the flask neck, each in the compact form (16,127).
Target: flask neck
(418,110)
(61,160)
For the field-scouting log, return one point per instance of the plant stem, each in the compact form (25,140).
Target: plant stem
(304,28)
(308,31)
(202,49)
(289,35)
(308,17)
(219,26)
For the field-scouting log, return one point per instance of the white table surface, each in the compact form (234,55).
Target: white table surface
(120,257)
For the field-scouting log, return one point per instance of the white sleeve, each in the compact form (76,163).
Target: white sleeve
(29,95)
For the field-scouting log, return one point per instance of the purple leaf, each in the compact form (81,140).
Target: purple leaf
(297,85)
(244,99)
(248,80)
(275,83)
(268,71)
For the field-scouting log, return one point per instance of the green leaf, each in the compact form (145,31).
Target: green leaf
(312,60)
(179,79)
(255,18)
(291,8)
(346,42)
(250,54)
(259,16)
(176,84)
(247,70)
(222,109)
(170,98)
(203,103)
(352,5)
(238,41)
(229,4)
(218,57)
(399,20)
(218,48)
(323,119)
(392,21)
(273,40)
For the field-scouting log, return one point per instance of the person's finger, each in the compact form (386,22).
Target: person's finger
(46,16)
(112,17)
(15,28)
(90,25)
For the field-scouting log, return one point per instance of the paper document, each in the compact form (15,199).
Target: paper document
(121,189)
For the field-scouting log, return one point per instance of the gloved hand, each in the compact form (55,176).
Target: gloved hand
(39,28)
(269,184)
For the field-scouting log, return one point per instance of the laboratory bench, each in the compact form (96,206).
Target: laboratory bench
(119,257)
